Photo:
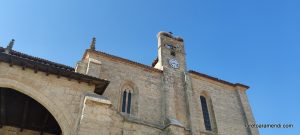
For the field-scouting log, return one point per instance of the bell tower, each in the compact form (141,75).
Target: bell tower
(171,53)
(171,60)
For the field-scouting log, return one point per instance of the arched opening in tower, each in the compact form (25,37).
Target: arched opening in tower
(20,114)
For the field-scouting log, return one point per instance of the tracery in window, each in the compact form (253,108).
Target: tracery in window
(126,101)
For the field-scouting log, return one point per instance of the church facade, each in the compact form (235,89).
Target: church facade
(109,95)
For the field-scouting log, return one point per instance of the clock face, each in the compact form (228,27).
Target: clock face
(174,63)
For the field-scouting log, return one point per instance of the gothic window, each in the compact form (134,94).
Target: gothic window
(129,103)
(126,101)
(205,111)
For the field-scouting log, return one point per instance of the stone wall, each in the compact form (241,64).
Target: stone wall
(60,96)
(80,111)
(99,117)
(147,85)
(67,101)
(228,106)
(228,115)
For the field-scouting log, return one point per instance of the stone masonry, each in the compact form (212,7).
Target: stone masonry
(165,97)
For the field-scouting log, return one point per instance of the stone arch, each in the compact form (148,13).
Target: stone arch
(208,98)
(135,96)
(42,99)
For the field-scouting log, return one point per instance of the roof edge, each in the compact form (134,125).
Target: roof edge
(49,67)
(122,59)
(218,80)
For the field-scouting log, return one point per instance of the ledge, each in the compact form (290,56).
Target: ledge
(97,98)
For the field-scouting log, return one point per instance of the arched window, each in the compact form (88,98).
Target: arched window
(205,111)
(126,101)
(129,102)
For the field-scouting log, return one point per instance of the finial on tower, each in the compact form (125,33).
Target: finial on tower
(9,46)
(93,44)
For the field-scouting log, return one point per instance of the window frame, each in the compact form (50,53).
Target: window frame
(126,101)
(205,112)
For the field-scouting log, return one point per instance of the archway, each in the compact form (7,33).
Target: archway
(24,113)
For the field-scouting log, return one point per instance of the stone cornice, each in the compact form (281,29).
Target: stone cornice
(146,67)
(219,80)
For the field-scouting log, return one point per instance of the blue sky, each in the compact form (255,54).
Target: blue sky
(253,42)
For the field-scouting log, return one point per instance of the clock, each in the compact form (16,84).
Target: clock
(174,63)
